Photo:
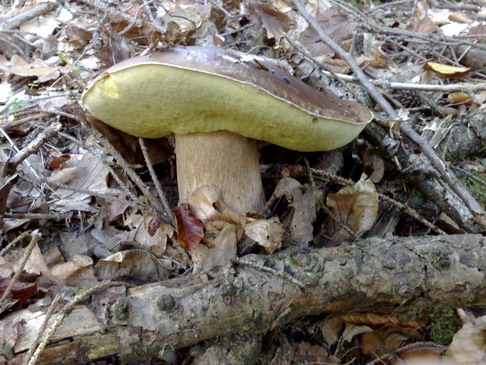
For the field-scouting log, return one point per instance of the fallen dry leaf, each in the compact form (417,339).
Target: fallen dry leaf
(189,229)
(421,21)
(38,68)
(133,264)
(459,97)
(267,233)
(223,252)
(460,18)
(272,20)
(446,71)
(78,271)
(304,204)
(468,345)
(356,206)
(207,203)
(374,164)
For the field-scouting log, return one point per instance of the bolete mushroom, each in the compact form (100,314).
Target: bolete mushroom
(217,103)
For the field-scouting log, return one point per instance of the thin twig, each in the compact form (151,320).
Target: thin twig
(25,256)
(29,14)
(158,187)
(43,326)
(14,242)
(47,334)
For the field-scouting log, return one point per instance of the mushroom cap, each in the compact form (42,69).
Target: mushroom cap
(206,89)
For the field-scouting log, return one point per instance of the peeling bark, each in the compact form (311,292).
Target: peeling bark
(366,276)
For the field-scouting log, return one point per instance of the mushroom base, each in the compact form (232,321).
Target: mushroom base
(221,158)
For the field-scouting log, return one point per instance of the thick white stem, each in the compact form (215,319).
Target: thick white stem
(225,159)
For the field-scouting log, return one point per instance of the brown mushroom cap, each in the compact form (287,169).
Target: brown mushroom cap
(206,89)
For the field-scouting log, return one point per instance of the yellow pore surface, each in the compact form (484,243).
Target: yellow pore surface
(155,100)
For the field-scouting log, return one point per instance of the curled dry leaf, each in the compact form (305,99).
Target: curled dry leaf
(381,341)
(208,204)
(304,205)
(189,229)
(374,164)
(421,20)
(446,71)
(460,18)
(136,264)
(223,252)
(356,206)
(272,20)
(469,343)
(459,97)
(148,232)
(38,68)
(267,233)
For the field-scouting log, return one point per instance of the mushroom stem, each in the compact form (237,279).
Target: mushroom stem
(221,158)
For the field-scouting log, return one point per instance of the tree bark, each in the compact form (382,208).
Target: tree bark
(263,292)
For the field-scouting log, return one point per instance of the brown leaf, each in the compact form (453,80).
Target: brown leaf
(189,229)
(374,164)
(421,21)
(469,344)
(459,97)
(208,204)
(58,160)
(224,251)
(21,291)
(267,233)
(459,17)
(356,206)
(273,21)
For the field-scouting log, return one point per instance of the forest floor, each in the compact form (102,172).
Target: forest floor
(91,215)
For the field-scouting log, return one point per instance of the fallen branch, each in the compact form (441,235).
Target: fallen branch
(370,274)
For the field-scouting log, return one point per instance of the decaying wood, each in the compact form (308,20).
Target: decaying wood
(360,277)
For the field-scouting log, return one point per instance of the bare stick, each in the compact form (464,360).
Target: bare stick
(35,238)
(27,15)
(13,243)
(163,198)
(31,360)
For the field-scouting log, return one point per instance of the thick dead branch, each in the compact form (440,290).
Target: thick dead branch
(364,276)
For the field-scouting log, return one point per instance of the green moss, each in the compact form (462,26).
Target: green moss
(442,324)
(475,187)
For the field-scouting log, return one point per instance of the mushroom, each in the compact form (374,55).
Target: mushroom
(218,103)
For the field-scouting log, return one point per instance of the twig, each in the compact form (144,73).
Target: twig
(13,243)
(480,86)
(153,175)
(426,38)
(35,216)
(280,274)
(469,175)
(29,14)
(35,238)
(47,334)
(43,326)
(128,170)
